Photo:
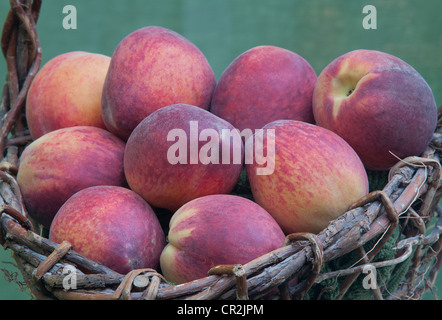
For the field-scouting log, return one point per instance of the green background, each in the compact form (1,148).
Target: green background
(318,30)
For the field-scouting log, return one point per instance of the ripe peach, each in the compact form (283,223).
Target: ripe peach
(153,67)
(62,162)
(66,92)
(316,176)
(264,84)
(112,225)
(378,103)
(182,152)
(214,230)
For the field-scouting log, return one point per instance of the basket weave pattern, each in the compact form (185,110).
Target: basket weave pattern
(407,203)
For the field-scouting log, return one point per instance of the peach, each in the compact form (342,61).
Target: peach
(66,92)
(62,162)
(316,176)
(378,103)
(264,84)
(153,67)
(215,230)
(112,225)
(182,152)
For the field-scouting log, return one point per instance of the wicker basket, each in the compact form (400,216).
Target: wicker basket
(395,229)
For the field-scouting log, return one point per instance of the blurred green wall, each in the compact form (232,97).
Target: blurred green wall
(318,30)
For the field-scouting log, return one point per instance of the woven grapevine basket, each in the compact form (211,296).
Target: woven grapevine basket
(394,230)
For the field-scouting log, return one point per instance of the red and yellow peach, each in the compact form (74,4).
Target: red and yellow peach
(379,104)
(182,152)
(111,225)
(215,230)
(66,92)
(153,67)
(264,84)
(62,162)
(316,176)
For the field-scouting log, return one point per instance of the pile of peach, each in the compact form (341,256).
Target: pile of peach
(116,138)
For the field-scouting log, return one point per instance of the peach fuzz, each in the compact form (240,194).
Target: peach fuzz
(66,92)
(317,177)
(264,84)
(153,67)
(111,225)
(62,162)
(214,230)
(379,104)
